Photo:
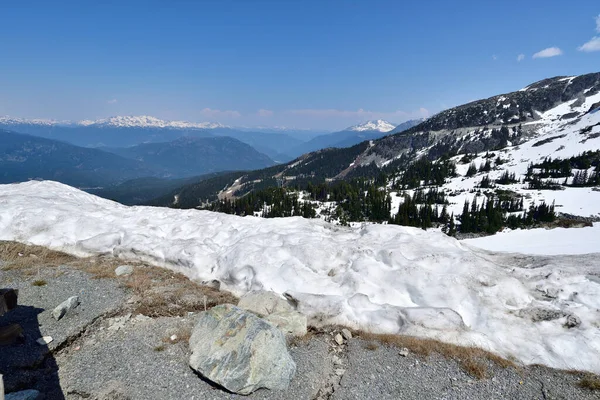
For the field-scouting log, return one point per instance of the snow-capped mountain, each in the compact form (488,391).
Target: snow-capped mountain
(6,120)
(376,125)
(145,121)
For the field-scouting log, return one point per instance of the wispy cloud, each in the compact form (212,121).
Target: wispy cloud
(494,57)
(264,113)
(362,114)
(218,114)
(598,23)
(592,45)
(549,52)
(112,101)
(520,57)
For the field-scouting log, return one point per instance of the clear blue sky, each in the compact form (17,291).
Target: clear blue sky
(308,64)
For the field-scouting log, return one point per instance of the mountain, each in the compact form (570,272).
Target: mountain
(189,156)
(25,157)
(514,140)
(369,130)
(126,131)
(373,126)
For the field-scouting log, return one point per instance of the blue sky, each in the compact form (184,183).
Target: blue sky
(306,64)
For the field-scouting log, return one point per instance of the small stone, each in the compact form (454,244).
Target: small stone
(336,360)
(403,352)
(573,321)
(173,338)
(339,339)
(340,371)
(44,340)
(141,318)
(214,284)
(346,334)
(123,270)
(63,308)
(29,394)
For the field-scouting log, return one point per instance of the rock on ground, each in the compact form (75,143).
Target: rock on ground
(63,308)
(263,302)
(289,322)
(240,351)
(123,270)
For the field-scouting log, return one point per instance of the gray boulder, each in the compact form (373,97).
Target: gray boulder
(240,351)
(263,302)
(124,270)
(63,308)
(290,322)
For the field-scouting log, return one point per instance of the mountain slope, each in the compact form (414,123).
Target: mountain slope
(188,156)
(25,157)
(556,117)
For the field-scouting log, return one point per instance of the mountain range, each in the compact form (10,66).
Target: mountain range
(280,145)
(553,118)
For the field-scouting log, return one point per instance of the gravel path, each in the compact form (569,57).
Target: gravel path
(382,373)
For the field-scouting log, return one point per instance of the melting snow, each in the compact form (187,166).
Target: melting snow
(376,277)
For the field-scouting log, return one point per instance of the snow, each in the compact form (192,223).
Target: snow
(543,241)
(378,125)
(143,121)
(382,278)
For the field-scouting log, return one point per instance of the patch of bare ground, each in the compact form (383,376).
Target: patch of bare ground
(16,255)
(471,359)
(157,292)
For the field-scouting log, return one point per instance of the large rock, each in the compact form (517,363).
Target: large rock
(240,351)
(263,303)
(290,322)
(63,308)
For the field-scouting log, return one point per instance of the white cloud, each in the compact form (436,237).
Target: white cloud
(212,113)
(520,57)
(592,45)
(361,114)
(264,113)
(549,52)
(494,57)
(112,101)
(598,23)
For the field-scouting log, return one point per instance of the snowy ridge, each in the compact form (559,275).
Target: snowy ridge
(145,121)
(377,125)
(6,120)
(377,277)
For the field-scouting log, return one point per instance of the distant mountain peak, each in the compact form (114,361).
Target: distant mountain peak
(6,120)
(375,125)
(145,121)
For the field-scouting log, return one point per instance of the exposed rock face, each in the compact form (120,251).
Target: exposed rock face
(240,351)
(63,308)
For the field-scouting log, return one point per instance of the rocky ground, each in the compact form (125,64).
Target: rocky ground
(128,339)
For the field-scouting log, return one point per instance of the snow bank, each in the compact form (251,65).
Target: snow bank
(543,241)
(378,277)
